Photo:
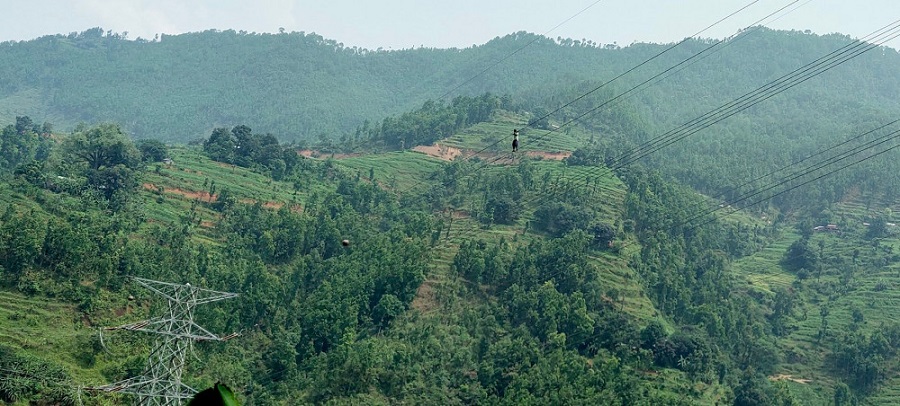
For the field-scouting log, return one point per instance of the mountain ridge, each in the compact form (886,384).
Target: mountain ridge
(303,87)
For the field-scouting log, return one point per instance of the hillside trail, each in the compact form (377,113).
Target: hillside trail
(311,153)
(448,153)
(438,293)
(445,153)
(786,377)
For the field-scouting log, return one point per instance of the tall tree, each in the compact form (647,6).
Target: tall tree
(103,146)
(107,158)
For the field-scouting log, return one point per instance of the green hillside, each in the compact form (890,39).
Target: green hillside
(67,253)
(554,275)
(303,87)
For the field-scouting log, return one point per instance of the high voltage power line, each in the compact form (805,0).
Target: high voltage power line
(795,78)
(836,158)
(652,58)
(619,76)
(510,55)
(771,89)
(160,384)
(798,76)
(790,80)
(795,175)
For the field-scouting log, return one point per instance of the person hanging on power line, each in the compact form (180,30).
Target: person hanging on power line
(515,139)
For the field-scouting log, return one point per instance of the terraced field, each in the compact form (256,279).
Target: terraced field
(855,274)
(48,327)
(404,171)
(496,137)
(763,270)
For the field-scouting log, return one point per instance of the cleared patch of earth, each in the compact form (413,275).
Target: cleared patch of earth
(553,156)
(448,153)
(311,153)
(439,151)
(786,377)
(425,301)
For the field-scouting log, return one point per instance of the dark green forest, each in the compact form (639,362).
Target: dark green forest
(557,275)
(304,87)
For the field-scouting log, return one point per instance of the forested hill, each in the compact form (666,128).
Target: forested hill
(305,87)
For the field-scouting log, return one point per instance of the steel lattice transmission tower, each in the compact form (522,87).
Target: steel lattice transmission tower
(160,383)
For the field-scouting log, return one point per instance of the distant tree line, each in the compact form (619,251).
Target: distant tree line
(24,142)
(429,123)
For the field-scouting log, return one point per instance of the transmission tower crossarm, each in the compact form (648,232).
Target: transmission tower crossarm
(160,384)
(170,291)
(170,327)
(213,297)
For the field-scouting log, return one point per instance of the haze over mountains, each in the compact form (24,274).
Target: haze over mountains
(305,87)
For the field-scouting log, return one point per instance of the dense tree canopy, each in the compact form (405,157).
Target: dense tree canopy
(302,86)
(596,281)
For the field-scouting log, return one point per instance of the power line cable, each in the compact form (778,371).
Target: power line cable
(888,138)
(800,75)
(796,77)
(786,82)
(806,170)
(896,135)
(753,27)
(632,69)
(664,51)
(809,170)
(820,152)
(501,60)
(811,167)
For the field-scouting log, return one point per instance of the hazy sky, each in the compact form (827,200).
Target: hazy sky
(395,24)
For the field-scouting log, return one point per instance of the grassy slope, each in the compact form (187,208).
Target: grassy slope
(169,191)
(764,273)
(496,136)
(401,171)
(443,295)
(24,320)
(25,323)
(763,270)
